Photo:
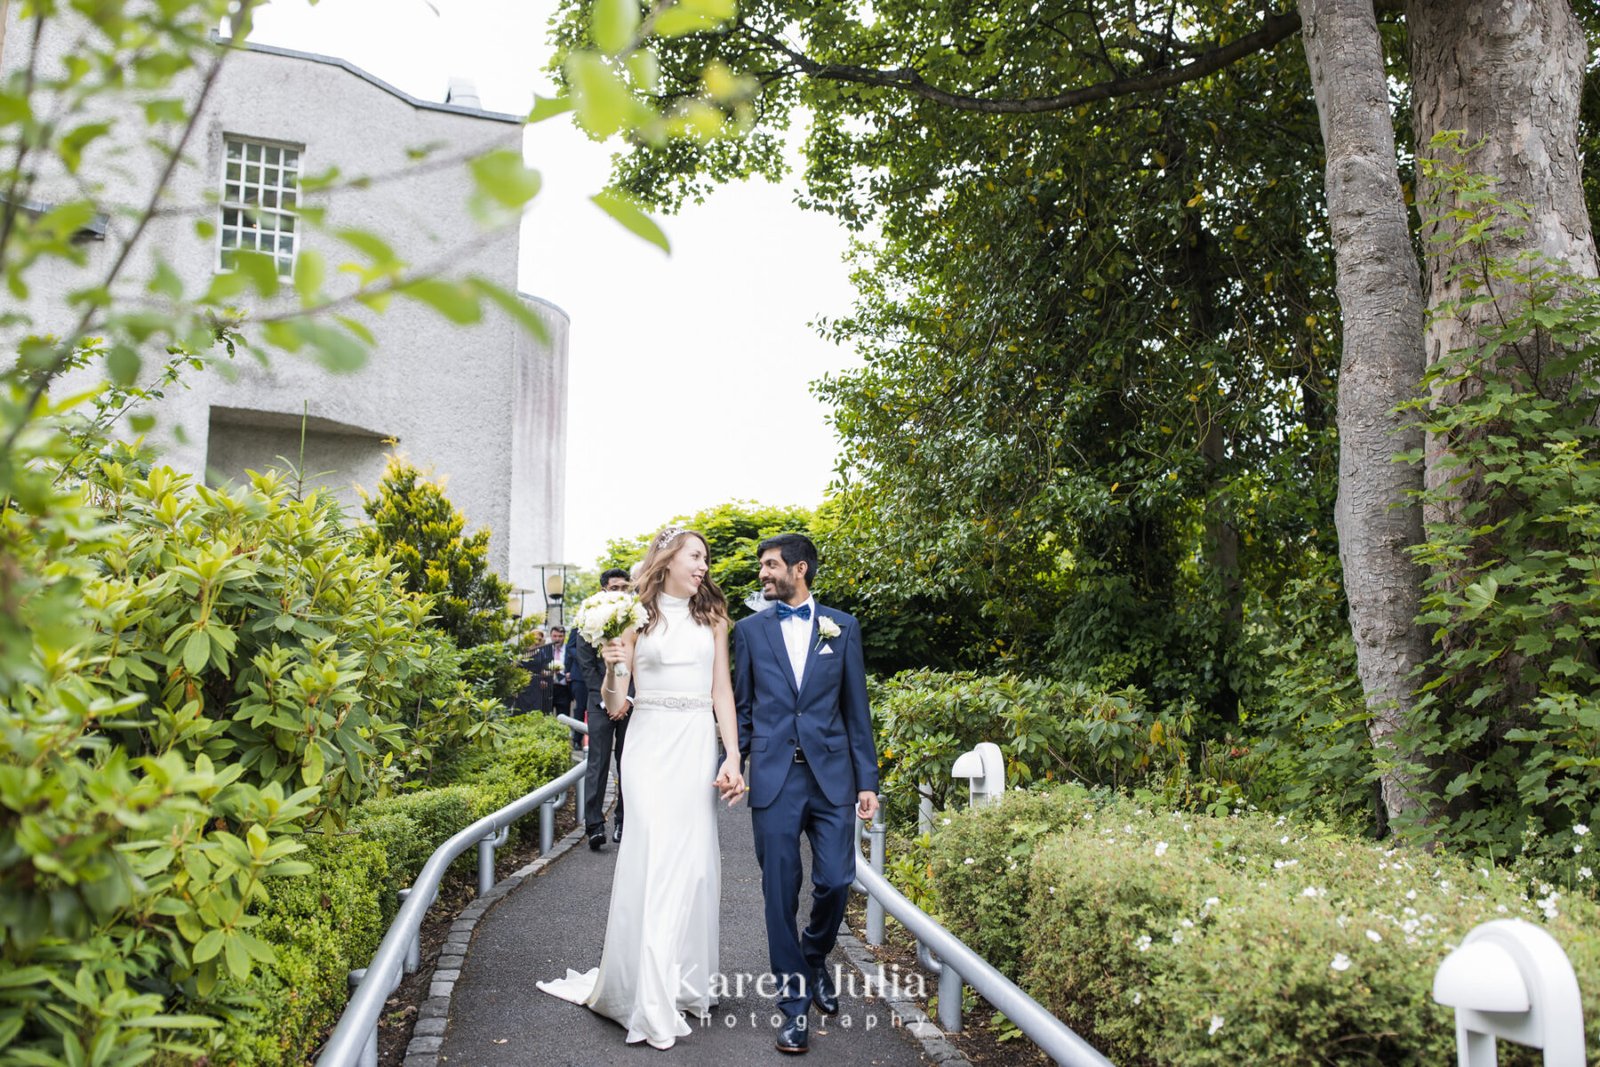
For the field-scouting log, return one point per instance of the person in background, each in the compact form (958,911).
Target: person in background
(607,729)
(578,688)
(530,697)
(549,669)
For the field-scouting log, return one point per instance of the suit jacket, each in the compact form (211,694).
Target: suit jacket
(827,717)
(580,681)
(587,665)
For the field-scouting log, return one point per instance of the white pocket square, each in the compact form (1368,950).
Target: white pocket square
(826,650)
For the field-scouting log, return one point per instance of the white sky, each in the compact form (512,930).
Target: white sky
(674,345)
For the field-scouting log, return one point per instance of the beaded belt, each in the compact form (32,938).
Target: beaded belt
(644,700)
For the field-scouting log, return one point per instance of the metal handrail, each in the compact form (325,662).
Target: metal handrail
(959,963)
(354,1042)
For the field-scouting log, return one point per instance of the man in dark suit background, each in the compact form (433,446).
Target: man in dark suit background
(607,730)
(550,672)
(576,686)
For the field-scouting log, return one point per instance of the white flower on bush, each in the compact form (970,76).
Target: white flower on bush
(1313,892)
(1138,999)
(1374,936)
(1341,962)
(1212,902)
(1143,944)
(1216,1024)
(969,861)
(1279,865)
(1580,829)
(1161,848)
(1577,849)
(1584,872)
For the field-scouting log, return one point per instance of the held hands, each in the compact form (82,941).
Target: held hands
(730,782)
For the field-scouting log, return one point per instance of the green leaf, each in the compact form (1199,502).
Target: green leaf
(603,102)
(514,305)
(170,110)
(310,269)
(312,768)
(261,270)
(123,363)
(72,145)
(625,211)
(207,947)
(692,16)
(456,301)
(613,24)
(546,107)
(505,179)
(196,652)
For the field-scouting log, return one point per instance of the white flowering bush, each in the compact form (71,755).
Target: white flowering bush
(1169,938)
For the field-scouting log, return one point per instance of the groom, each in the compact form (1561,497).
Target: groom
(800,686)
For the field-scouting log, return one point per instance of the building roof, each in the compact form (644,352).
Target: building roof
(429,105)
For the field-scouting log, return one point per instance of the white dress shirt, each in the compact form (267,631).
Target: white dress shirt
(797,638)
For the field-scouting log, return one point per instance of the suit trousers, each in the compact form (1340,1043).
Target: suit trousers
(605,743)
(802,808)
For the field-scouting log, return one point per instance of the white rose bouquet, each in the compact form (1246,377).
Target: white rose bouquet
(606,616)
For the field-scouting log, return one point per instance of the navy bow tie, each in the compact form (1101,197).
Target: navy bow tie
(784,611)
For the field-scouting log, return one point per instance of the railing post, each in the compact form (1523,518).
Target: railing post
(924,808)
(950,998)
(580,808)
(414,946)
(486,864)
(874,905)
(369,1046)
(547,827)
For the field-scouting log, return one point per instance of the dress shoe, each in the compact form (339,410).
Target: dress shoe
(824,994)
(617,835)
(795,1035)
(597,841)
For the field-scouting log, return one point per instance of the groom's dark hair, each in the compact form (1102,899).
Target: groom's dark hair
(795,548)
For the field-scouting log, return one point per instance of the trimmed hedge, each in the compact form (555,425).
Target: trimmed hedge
(1175,939)
(325,924)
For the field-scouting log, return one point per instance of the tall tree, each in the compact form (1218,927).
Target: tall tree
(1380,304)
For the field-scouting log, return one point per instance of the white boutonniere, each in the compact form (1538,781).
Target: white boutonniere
(827,630)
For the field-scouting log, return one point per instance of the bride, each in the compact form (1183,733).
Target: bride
(661,934)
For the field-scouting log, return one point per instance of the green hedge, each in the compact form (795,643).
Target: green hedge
(1167,938)
(323,925)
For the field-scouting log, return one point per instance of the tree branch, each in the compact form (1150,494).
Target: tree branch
(1275,28)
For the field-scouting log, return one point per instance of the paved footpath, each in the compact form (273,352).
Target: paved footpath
(556,920)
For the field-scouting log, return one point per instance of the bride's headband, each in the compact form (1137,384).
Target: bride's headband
(668,535)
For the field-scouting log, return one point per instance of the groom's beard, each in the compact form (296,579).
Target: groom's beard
(777,589)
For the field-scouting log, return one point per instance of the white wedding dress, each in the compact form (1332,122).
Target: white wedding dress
(661,933)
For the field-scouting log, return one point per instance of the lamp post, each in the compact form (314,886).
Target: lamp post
(555,588)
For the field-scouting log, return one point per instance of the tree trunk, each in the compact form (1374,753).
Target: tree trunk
(1380,301)
(1508,73)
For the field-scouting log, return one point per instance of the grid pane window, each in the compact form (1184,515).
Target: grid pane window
(260,188)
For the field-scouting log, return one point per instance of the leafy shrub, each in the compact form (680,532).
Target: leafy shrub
(321,927)
(1047,731)
(1174,938)
(1506,725)
(415,525)
(254,630)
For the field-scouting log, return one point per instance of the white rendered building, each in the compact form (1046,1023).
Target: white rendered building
(483,407)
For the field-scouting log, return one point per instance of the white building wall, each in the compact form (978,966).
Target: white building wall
(483,407)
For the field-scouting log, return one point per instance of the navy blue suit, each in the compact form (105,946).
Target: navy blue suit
(827,719)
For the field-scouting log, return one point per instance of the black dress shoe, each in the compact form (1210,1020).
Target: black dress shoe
(617,835)
(795,1035)
(824,994)
(597,841)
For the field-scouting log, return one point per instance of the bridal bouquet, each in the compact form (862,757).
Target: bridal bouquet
(606,616)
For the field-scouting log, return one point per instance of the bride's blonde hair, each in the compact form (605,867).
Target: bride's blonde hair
(708,606)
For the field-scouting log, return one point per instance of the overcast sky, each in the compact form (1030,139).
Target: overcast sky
(672,345)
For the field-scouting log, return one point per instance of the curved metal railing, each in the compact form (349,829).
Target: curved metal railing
(354,1042)
(956,964)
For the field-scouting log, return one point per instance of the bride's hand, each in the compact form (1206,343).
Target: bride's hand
(613,651)
(729,781)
